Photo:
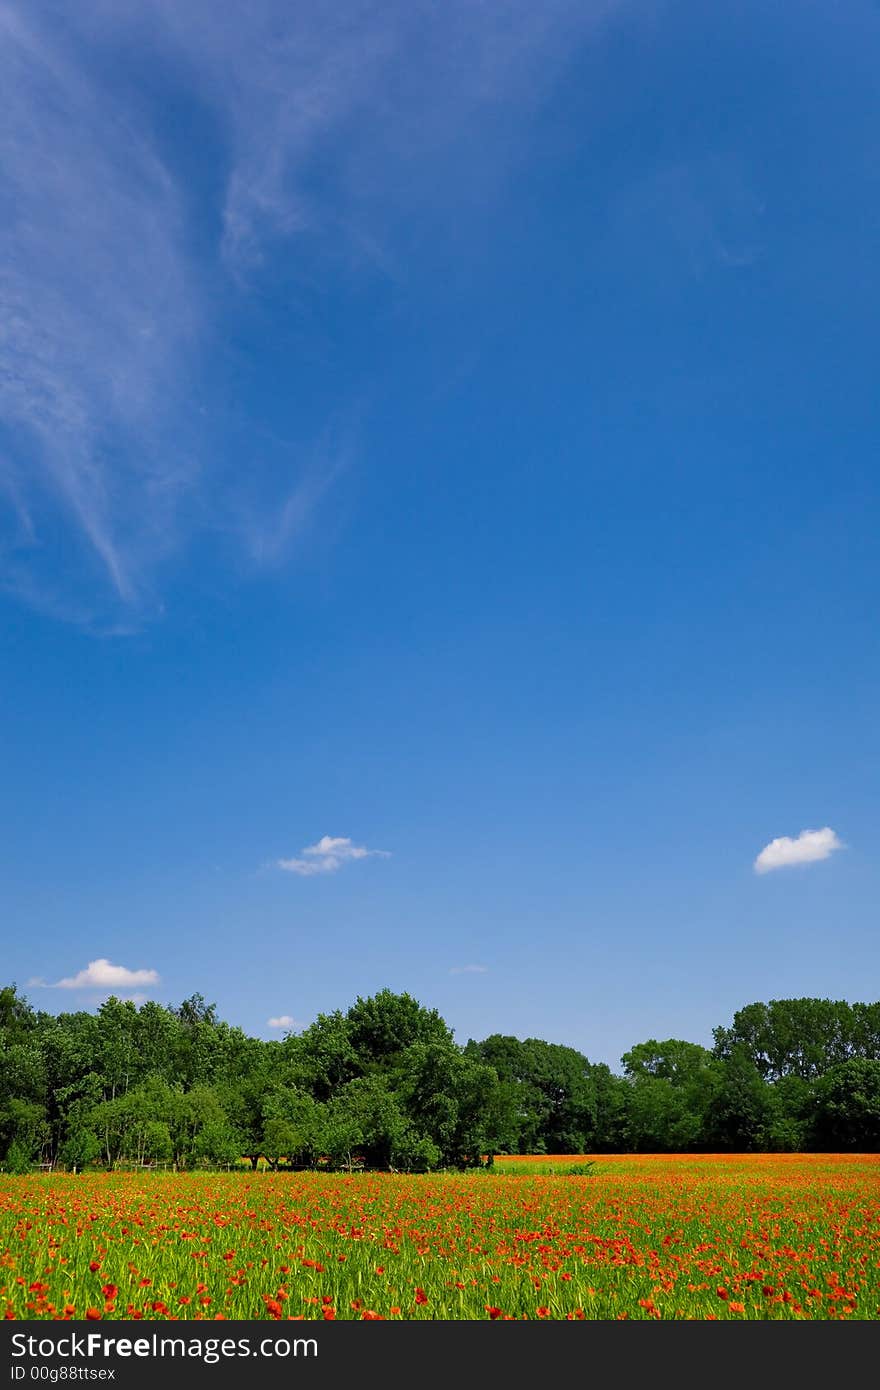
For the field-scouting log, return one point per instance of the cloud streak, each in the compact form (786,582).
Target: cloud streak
(332,130)
(328,856)
(808,847)
(283,1021)
(95,313)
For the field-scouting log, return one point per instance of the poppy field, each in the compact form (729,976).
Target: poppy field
(692,1237)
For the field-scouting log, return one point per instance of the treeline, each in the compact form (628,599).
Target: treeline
(385,1084)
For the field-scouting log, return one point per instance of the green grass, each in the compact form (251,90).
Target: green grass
(729,1237)
(555,1168)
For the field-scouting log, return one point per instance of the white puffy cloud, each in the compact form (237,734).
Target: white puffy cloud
(808,847)
(329,855)
(103,974)
(282,1021)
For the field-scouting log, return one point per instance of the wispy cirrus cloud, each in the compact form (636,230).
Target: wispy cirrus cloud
(95,314)
(373,96)
(698,215)
(102,974)
(331,130)
(469,970)
(328,856)
(808,847)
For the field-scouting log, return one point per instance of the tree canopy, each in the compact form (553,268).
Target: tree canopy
(385,1084)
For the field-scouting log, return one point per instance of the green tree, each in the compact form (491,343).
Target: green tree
(365,1121)
(23,1092)
(81,1147)
(612,1108)
(386,1082)
(791,1037)
(18,1022)
(790,1120)
(453,1099)
(739,1113)
(847,1106)
(386,1025)
(118,1058)
(26,1120)
(324,1056)
(674,1089)
(555,1097)
(294,1127)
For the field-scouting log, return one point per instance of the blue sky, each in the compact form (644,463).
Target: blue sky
(450,430)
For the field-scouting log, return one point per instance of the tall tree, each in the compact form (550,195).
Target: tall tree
(847,1102)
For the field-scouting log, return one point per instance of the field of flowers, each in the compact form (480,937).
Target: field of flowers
(647,1237)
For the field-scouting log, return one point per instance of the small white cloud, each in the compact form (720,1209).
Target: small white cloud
(282,1021)
(329,855)
(469,970)
(103,974)
(807,848)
